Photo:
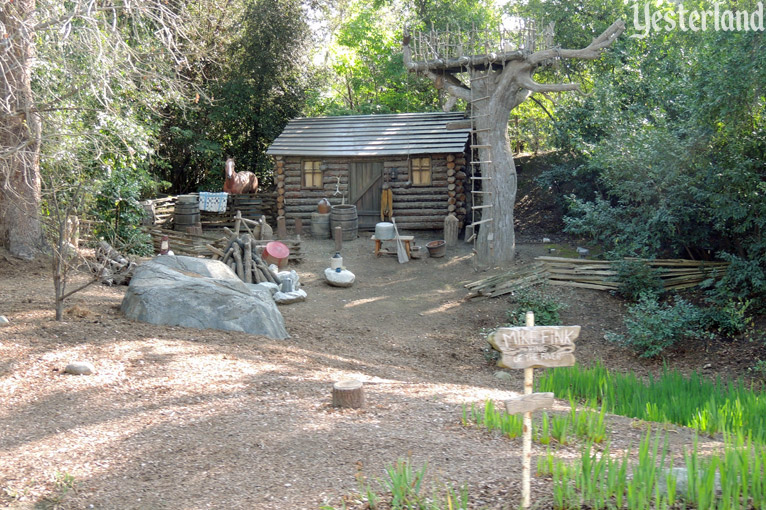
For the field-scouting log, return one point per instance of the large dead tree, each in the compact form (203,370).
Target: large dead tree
(59,58)
(20,228)
(498,83)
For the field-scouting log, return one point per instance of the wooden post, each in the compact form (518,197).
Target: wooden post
(281,228)
(450,229)
(248,256)
(348,393)
(237,221)
(529,374)
(298,227)
(338,234)
(529,347)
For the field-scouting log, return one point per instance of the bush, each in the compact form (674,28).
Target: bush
(653,326)
(636,278)
(545,308)
(729,319)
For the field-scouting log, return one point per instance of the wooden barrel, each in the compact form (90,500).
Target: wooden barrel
(186,212)
(345,216)
(320,225)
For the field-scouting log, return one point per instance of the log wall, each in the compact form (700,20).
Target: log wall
(415,207)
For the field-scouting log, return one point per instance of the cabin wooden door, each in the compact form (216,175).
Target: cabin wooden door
(365,183)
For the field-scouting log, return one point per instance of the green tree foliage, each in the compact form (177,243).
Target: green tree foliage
(365,71)
(666,157)
(258,80)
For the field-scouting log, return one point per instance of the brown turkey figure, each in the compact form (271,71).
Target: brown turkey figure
(239,182)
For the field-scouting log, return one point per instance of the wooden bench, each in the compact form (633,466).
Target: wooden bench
(404,239)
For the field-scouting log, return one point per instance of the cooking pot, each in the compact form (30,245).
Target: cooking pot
(384,231)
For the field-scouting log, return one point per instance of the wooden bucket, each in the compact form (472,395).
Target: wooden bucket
(186,212)
(345,216)
(320,225)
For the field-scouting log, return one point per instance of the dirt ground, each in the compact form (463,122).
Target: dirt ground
(179,418)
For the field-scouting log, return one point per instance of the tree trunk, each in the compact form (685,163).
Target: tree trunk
(20,195)
(492,98)
(495,240)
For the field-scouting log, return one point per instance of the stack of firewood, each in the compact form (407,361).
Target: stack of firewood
(514,280)
(242,257)
(675,274)
(113,268)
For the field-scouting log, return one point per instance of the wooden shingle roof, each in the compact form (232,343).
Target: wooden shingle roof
(371,135)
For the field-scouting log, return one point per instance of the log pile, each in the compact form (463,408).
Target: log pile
(214,245)
(113,268)
(241,255)
(676,274)
(507,282)
(456,192)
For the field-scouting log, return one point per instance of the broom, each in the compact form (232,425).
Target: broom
(400,251)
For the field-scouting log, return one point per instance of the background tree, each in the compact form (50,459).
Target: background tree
(77,57)
(667,157)
(504,82)
(258,79)
(362,61)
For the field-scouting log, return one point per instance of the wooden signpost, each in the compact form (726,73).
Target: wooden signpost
(532,347)
(535,346)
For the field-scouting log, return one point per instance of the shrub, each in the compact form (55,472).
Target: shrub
(652,326)
(729,319)
(545,308)
(636,278)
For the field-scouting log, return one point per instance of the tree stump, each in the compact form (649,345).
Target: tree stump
(348,393)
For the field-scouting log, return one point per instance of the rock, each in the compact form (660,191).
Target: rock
(286,298)
(4,320)
(290,281)
(199,293)
(80,368)
(344,278)
(272,288)
(546,240)
(503,375)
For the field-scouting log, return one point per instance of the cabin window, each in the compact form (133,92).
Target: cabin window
(420,171)
(312,174)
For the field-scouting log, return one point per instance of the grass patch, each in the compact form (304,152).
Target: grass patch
(404,490)
(734,479)
(585,424)
(711,407)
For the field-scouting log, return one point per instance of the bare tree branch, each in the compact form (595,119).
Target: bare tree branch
(528,83)
(591,52)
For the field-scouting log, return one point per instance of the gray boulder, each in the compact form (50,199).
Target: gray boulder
(199,293)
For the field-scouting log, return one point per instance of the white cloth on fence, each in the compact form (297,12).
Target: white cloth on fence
(213,202)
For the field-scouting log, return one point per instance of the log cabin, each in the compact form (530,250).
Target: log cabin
(421,157)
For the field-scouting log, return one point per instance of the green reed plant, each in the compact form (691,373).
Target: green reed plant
(488,416)
(404,483)
(734,479)
(709,406)
(585,424)
(560,429)
(405,491)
